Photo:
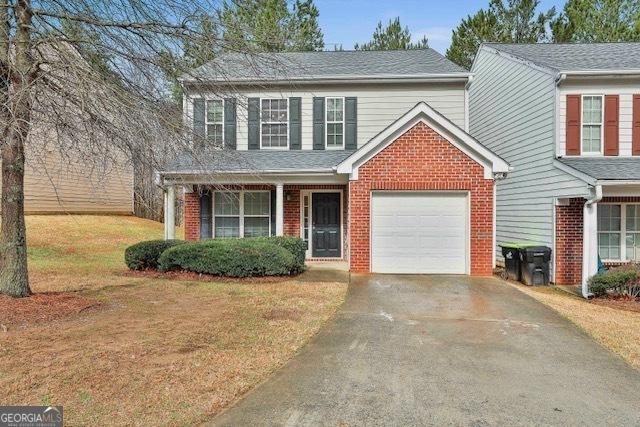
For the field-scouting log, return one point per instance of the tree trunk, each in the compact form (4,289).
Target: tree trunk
(14,279)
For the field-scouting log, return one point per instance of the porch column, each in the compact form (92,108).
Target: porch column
(170,213)
(589,244)
(279,209)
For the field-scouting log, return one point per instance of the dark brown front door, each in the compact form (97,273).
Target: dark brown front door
(325,217)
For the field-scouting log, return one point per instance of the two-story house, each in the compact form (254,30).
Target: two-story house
(567,118)
(363,154)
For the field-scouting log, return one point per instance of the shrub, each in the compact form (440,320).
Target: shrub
(144,255)
(230,257)
(295,245)
(620,280)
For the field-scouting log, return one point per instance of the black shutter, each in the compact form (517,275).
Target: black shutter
(273,212)
(254,123)
(351,123)
(198,122)
(318,123)
(230,123)
(206,220)
(295,123)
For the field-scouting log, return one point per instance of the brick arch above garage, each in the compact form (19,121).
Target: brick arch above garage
(421,159)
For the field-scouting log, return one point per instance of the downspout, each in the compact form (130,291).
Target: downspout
(466,103)
(587,239)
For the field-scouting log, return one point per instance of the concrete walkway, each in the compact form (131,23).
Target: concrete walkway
(445,350)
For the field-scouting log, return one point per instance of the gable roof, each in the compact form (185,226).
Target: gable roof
(576,57)
(257,161)
(606,168)
(301,66)
(422,112)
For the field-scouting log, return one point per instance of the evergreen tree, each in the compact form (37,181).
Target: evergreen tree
(592,21)
(305,31)
(392,37)
(517,21)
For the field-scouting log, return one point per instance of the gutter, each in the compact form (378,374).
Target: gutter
(602,72)
(587,239)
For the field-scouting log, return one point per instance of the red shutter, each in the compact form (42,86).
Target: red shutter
(611,130)
(573,125)
(636,126)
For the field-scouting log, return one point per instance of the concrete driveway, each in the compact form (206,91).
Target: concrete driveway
(445,350)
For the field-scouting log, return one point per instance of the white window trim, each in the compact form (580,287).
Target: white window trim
(263,122)
(241,216)
(582,124)
(622,232)
(327,122)
(206,118)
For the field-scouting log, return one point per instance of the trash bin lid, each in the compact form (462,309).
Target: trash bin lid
(517,245)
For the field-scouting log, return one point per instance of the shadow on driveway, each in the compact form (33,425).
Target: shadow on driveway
(445,350)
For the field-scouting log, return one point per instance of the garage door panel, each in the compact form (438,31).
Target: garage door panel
(420,233)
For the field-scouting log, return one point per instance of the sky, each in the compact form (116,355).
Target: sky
(349,21)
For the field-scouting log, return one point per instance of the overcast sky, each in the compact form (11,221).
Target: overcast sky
(349,21)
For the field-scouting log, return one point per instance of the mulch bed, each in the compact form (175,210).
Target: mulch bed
(620,303)
(41,307)
(190,276)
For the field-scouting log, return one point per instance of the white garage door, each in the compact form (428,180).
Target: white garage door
(420,233)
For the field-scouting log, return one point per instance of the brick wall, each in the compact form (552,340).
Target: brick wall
(568,256)
(192,216)
(422,160)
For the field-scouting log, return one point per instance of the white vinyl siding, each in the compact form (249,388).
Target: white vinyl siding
(379,105)
(625,88)
(512,111)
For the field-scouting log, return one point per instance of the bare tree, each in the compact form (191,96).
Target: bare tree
(103,113)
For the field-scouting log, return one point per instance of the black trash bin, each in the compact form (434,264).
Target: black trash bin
(511,254)
(534,265)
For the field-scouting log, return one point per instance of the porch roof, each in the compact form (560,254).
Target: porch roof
(257,161)
(606,168)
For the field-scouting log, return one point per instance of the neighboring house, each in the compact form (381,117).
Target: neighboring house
(567,118)
(364,155)
(56,183)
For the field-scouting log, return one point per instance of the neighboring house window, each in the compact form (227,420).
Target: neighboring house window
(274,127)
(215,121)
(335,122)
(241,214)
(619,232)
(592,124)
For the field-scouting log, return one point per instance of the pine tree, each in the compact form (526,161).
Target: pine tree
(392,37)
(592,21)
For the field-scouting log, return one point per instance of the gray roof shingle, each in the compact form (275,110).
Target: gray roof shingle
(606,168)
(576,57)
(285,66)
(221,161)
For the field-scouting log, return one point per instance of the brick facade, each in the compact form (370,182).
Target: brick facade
(568,256)
(421,159)
(192,216)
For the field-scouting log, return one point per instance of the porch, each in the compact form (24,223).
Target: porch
(317,213)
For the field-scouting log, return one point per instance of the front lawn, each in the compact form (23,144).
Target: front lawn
(138,349)
(616,329)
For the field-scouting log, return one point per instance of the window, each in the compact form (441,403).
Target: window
(242,214)
(609,221)
(274,125)
(257,214)
(632,232)
(335,122)
(592,124)
(215,122)
(226,207)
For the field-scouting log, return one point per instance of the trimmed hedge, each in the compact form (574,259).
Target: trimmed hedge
(231,257)
(144,255)
(620,280)
(295,245)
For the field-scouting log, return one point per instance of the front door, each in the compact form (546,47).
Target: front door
(325,219)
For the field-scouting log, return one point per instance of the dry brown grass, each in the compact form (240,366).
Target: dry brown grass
(618,330)
(155,351)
